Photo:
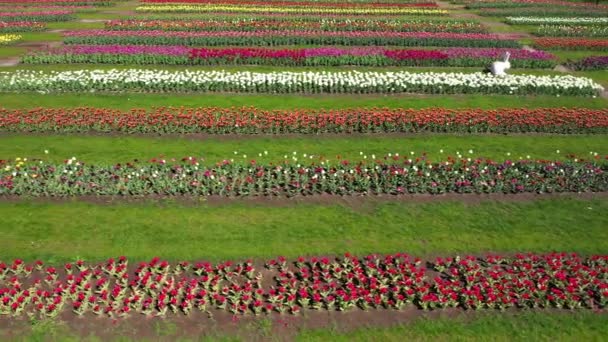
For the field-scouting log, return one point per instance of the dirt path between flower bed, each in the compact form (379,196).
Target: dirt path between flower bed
(273,327)
(360,203)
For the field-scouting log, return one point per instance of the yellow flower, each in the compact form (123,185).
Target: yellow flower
(9,38)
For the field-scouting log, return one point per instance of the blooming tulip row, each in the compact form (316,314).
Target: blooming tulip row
(274,38)
(572,43)
(572,31)
(293,3)
(590,63)
(6,39)
(393,176)
(21,26)
(558,20)
(542,12)
(249,120)
(309,82)
(303,23)
(329,56)
(212,8)
(45,16)
(98,3)
(528,3)
(392,281)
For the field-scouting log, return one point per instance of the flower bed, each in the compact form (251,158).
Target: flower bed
(45,16)
(542,12)
(292,3)
(529,3)
(572,31)
(206,8)
(249,120)
(392,281)
(350,82)
(556,20)
(274,38)
(590,63)
(303,23)
(392,176)
(97,3)
(182,55)
(572,43)
(6,39)
(21,26)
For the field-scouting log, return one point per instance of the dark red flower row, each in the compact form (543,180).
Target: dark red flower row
(318,283)
(249,120)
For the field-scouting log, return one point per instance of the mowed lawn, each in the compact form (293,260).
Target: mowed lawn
(308,149)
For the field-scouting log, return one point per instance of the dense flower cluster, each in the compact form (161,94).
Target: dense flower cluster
(541,12)
(572,43)
(324,56)
(44,16)
(316,10)
(21,26)
(274,38)
(394,175)
(308,82)
(557,20)
(572,31)
(391,281)
(534,3)
(249,120)
(6,39)
(291,3)
(302,23)
(59,2)
(590,63)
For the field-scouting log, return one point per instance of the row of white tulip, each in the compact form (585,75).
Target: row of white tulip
(557,20)
(151,80)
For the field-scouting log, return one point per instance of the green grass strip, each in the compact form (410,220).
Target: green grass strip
(115,149)
(524,326)
(128,101)
(65,231)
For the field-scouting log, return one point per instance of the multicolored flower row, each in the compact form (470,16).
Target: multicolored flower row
(249,120)
(557,20)
(325,56)
(294,3)
(572,31)
(21,26)
(572,43)
(6,39)
(393,176)
(590,63)
(302,23)
(303,37)
(531,3)
(45,16)
(307,82)
(391,281)
(542,12)
(207,8)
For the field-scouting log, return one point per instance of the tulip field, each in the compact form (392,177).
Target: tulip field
(303,170)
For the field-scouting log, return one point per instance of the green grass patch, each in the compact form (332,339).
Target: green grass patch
(59,232)
(41,37)
(265,101)
(11,51)
(74,25)
(524,326)
(113,149)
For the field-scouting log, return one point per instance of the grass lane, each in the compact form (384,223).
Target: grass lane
(265,101)
(66,231)
(113,149)
(524,326)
